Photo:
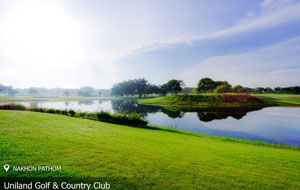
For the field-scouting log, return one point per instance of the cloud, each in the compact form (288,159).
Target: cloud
(272,13)
(84,46)
(275,65)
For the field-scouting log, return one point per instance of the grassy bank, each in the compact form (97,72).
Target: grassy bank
(215,100)
(153,158)
(280,99)
(50,98)
(125,118)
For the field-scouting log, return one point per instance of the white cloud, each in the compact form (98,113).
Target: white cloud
(272,13)
(276,65)
(41,44)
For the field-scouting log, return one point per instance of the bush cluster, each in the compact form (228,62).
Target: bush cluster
(194,98)
(240,98)
(132,119)
(12,107)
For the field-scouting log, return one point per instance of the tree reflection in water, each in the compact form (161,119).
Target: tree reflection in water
(86,102)
(210,114)
(204,114)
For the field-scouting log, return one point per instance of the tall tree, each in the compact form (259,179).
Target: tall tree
(239,89)
(33,91)
(206,85)
(11,91)
(174,86)
(224,88)
(2,88)
(85,91)
(66,93)
(140,85)
(163,90)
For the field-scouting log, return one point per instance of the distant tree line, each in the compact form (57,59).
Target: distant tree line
(8,90)
(142,87)
(206,85)
(86,91)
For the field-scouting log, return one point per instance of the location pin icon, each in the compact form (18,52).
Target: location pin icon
(6,167)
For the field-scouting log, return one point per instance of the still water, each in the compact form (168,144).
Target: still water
(276,125)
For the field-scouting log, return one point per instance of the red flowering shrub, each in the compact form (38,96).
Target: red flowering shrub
(240,98)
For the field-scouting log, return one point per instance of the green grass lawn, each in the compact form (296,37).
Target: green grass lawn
(148,158)
(280,99)
(268,100)
(50,98)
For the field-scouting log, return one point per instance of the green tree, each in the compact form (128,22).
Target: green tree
(249,90)
(140,86)
(33,91)
(130,87)
(152,89)
(269,90)
(224,88)
(66,93)
(187,90)
(85,91)
(2,88)
(259,90)
(163,90)
(174,86)
(239,89)
(11,91)
(206,85)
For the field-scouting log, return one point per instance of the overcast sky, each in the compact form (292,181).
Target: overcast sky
(72,43)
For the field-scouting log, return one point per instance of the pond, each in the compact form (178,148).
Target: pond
(276,124)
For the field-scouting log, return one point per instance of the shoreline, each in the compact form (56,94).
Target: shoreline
(183,132)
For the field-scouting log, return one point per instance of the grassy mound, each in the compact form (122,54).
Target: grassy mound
(222,100)
(139,158)
(132,119)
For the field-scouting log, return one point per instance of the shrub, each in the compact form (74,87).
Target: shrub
(240,98)
(103,116)
(59,112)
(72,113)
(50,110)
(12,107)
(36,109)
(80,115)
(64,112)
(223,88)
(194,98)
(239,89)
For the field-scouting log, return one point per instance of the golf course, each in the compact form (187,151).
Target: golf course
(142,158)
(215,100)
(149,95)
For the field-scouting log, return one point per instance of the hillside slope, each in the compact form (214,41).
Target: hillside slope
(141,157)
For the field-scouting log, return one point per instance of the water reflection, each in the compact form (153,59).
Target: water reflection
(204,114)
(278,125)
(133,106)
(66,103)
(33,104)
(210,114)
(86,102)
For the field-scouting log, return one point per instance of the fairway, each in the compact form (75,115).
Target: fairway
(212,100)
(150,159)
